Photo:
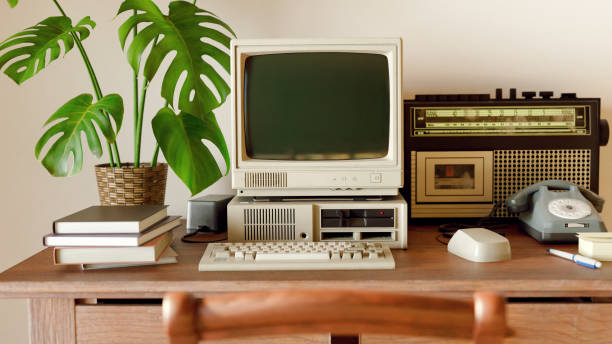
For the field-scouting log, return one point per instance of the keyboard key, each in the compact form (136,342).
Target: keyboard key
(222,254)
(292,256)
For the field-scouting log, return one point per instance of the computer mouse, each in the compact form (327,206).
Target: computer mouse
(479,245)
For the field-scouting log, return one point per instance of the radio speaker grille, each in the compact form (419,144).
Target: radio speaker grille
(516,169)
(265,180)
(269,224)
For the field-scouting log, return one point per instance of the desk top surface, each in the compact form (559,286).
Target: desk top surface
(425,266)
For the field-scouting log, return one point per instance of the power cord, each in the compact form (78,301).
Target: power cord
(206,234)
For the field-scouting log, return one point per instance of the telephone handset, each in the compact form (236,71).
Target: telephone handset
(557,216)
(519,202)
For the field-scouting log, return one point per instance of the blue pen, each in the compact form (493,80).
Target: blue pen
(578,259)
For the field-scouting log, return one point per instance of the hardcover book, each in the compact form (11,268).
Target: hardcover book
(148,253)
(111,219)
(169,257)
(112,239)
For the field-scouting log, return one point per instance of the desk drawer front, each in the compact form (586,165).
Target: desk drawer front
(539,323)
(142,324)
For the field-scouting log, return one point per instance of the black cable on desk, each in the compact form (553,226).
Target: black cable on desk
(488,222)
(209,235)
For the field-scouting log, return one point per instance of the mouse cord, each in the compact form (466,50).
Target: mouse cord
(488,222)
(209,235)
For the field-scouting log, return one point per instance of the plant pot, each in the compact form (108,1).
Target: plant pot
(127,185)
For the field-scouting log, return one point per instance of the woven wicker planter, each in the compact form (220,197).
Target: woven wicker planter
(131,186)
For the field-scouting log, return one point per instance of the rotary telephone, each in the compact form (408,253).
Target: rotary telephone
(557,216)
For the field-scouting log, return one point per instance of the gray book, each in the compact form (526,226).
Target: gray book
(112,239)
(99,219)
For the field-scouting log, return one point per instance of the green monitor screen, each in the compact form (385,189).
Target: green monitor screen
(316,106)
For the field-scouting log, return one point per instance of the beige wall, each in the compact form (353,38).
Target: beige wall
(449,46)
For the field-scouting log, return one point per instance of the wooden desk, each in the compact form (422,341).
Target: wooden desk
(68,305)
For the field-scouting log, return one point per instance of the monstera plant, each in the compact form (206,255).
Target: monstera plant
(148,36)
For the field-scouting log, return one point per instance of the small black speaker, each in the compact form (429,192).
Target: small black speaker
(208,213)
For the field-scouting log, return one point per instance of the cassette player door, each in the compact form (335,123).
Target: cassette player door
(454,177)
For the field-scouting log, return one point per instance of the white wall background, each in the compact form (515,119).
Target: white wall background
(449,46)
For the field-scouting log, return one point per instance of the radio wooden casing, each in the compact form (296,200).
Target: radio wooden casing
(468,153)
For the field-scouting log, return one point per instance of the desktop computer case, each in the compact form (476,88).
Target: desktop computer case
(309,220)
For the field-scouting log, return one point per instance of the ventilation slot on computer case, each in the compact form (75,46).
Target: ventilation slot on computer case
(337,236)
(269,224)
(265,179)
(377,236)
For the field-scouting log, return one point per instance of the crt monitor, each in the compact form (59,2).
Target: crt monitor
(316,117)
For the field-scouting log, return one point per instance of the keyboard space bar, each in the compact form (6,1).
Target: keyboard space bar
(267,257)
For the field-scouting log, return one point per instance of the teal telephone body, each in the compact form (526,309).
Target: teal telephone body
(557,216)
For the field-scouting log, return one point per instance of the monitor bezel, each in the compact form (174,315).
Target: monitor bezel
(241,49)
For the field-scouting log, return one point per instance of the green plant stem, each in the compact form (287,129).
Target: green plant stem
(112,147)
(136,116)
(140,114)
(155,154)
(156,151)
(138,135)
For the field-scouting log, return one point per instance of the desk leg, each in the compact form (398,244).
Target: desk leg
(52,321)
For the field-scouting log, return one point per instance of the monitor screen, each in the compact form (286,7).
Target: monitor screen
(316,106)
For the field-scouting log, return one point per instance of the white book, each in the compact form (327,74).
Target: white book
(112,239)
(100,219)
(169,257)
(147,253)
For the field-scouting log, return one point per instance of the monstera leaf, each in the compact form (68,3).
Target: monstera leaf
(75,117)
(32,46)
(12,3)
(180,138)
(180,31)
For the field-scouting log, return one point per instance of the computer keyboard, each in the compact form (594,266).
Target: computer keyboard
(336,255)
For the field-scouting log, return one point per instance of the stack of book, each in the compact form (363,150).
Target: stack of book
(114,236)
(596,245)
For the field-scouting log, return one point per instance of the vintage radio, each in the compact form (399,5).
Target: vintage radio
(468,153)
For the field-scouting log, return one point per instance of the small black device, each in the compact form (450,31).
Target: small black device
(468,152)
(208,213)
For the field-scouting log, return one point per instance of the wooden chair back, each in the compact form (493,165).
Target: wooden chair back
(235,315)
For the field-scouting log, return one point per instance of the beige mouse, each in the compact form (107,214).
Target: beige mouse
(479,245)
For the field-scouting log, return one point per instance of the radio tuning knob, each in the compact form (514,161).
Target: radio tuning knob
(513,93)
(604,132)
(498,94)
(568,95)
(546,94)
(528,94)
